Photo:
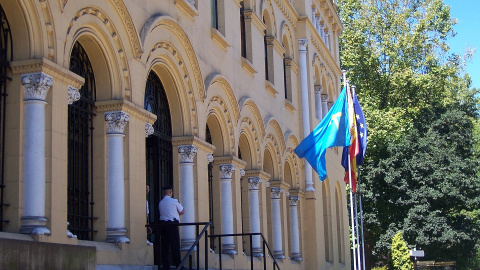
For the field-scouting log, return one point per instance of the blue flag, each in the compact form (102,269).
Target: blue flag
(362,135)
(332,131)
(361,130)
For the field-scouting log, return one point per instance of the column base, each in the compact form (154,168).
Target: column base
(229,249)
(309,187)
(34,225)
(257,252)
(278,255)
(187,244)
(117,235)
(297,257)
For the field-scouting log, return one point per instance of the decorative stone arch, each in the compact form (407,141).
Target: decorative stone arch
(26,27)
(219,109)
(248,144)
(267,9)
(181,111)
(287,37)
(251,125)
(216,79)
(271,122)
(165,26)
(272,145)
(247,103)
(100,39)
(122,17)
(296,163)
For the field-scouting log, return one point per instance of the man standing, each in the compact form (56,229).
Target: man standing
(170,210)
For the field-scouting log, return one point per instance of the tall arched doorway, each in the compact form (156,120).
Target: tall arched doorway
(6,55)
(159,151)
(80,149)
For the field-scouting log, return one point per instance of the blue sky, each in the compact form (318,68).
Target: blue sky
(468,33)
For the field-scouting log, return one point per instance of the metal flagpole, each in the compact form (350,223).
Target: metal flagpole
(351,203)
(356,211)
(361,219)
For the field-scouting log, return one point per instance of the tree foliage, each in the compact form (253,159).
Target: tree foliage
(421,171)
(400,253)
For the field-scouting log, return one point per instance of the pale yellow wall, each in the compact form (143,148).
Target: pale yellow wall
(205,82)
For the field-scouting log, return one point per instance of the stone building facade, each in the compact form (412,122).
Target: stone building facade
(100,98)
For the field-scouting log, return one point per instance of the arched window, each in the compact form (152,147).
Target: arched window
(211,209)
(159,149)
(242,32)
(6,55)
(80,149)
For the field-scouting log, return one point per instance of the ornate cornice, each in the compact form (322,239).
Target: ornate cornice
(36,86)
(73,94)
(226,171)
(48,67)
(116,122)
(288,11)
(195,141)
(128,107)
(187,153)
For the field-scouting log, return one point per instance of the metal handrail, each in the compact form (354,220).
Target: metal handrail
(196,243)
(265,244)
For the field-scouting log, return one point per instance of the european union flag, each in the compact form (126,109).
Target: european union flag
(361,130)
(332,131)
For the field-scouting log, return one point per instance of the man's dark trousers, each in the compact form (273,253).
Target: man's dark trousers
(170,239)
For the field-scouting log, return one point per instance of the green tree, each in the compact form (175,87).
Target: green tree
(421,173)
(400,253)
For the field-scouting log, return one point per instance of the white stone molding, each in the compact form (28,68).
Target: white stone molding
(187,193)
(33,220)
(116,121)
(148,129)
(302,50)
(294,233)
(187,153)
(209,158)
(36,86)
(226,170)
(73,95)
(277,223)
(254,182)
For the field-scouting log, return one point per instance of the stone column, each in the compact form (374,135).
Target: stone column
(302,50)
(322,31)
(36,87)
(226,170)
(318,102)
(254,182)
(327,39)
(277,223)
(329,105)
(187,194)
(318,26)
(314,17)
(296,255)
(324,105)
(115,122)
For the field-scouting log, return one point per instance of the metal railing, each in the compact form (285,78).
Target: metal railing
(265,248)
(196,244)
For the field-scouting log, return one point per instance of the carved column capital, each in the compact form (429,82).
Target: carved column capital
(302,45)
(276,191)
(187,153)
(254,182)
(148,129)
(242,172)
(318,89)
(329,104)
(293,200)
(116,121)
(36,86)
(209,158)
(73,94)
(324,97)
(226,171)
